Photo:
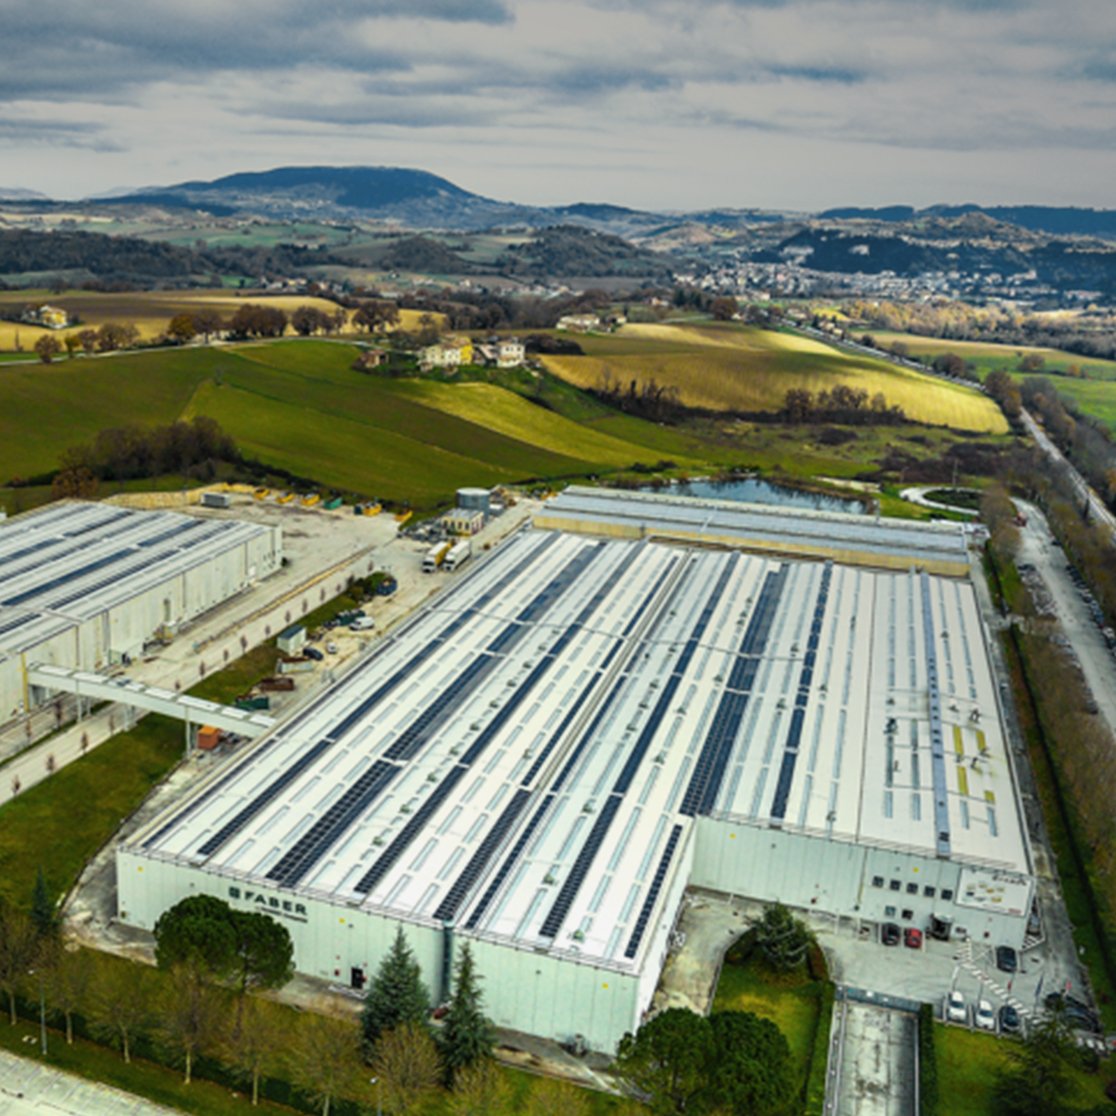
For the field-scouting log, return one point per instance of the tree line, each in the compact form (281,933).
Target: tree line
(199,1010)
(646,399)
(1093,335)
(842,404)
(191,448)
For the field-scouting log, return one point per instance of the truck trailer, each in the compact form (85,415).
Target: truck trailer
(458,554)
(435,556)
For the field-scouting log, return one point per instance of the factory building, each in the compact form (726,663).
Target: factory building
(89,585)
(551,751)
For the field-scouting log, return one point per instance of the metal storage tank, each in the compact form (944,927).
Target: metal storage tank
(474,499)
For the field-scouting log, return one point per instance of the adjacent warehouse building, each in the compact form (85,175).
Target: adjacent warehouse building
(88,585)
(549,753)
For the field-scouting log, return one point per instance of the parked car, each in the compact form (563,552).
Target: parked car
(985,1017)
(362,624)
(912,938)
(889,934)
(331,648)
(1010,1023)
(957,1011)
(1007,960)
(1078,1015)
(313,653)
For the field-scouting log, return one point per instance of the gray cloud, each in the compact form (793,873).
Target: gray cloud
(112,46)
(188,88)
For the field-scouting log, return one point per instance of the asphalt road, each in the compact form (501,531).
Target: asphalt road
(1097,509)
(1097,661)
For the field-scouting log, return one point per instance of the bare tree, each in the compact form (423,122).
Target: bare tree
(188,1012)
(323,1062)
(120,1003)
(549,1097)
(252,1046)
(482,1089)
(68,987)
(407,1062)
(18,942)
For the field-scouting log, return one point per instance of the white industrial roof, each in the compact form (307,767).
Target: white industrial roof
(665,514)
(527,756)
(72,561)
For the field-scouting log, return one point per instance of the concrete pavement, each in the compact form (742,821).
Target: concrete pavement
(28,1088)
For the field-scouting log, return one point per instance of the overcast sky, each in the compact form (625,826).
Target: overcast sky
(793,104)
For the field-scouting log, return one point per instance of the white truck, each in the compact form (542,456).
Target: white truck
(435,556)
(458,554)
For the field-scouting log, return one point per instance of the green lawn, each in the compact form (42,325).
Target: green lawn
(791,1003)
(968,1062)
(61,822)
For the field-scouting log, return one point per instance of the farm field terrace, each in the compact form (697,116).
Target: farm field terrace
(748,369)
(148,311)
(298,405)
(1094,393)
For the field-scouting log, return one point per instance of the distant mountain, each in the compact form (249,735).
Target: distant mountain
(414,198)
(15,193)
(1059,220)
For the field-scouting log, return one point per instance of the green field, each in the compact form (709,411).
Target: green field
(297,405)
(792,1003)
(968,1062)
(1094,392)
(745,368)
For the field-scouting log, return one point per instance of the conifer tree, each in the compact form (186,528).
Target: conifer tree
(466,1031)
(43,915)
(396,995)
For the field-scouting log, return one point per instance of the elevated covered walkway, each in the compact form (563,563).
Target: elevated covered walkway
(126,691)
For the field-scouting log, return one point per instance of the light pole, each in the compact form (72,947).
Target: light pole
(42,1008)
(379,1094)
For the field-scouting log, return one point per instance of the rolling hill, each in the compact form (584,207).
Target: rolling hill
(747,370)
(298,405)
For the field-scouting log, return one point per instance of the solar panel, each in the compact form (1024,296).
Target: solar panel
(589,849)
(338,730)
(397,847)
(580,868)
(798,717)
(937,741)
(242,817)
(448,907)
(309,848)
(513,856)
(705,782)
(653,893)
(313,845)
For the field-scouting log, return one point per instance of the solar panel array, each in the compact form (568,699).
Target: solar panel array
(527,758)
(69,562)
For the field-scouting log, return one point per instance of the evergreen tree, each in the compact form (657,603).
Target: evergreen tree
(782,938)
(43,916)
(396,995)
(466,1031)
